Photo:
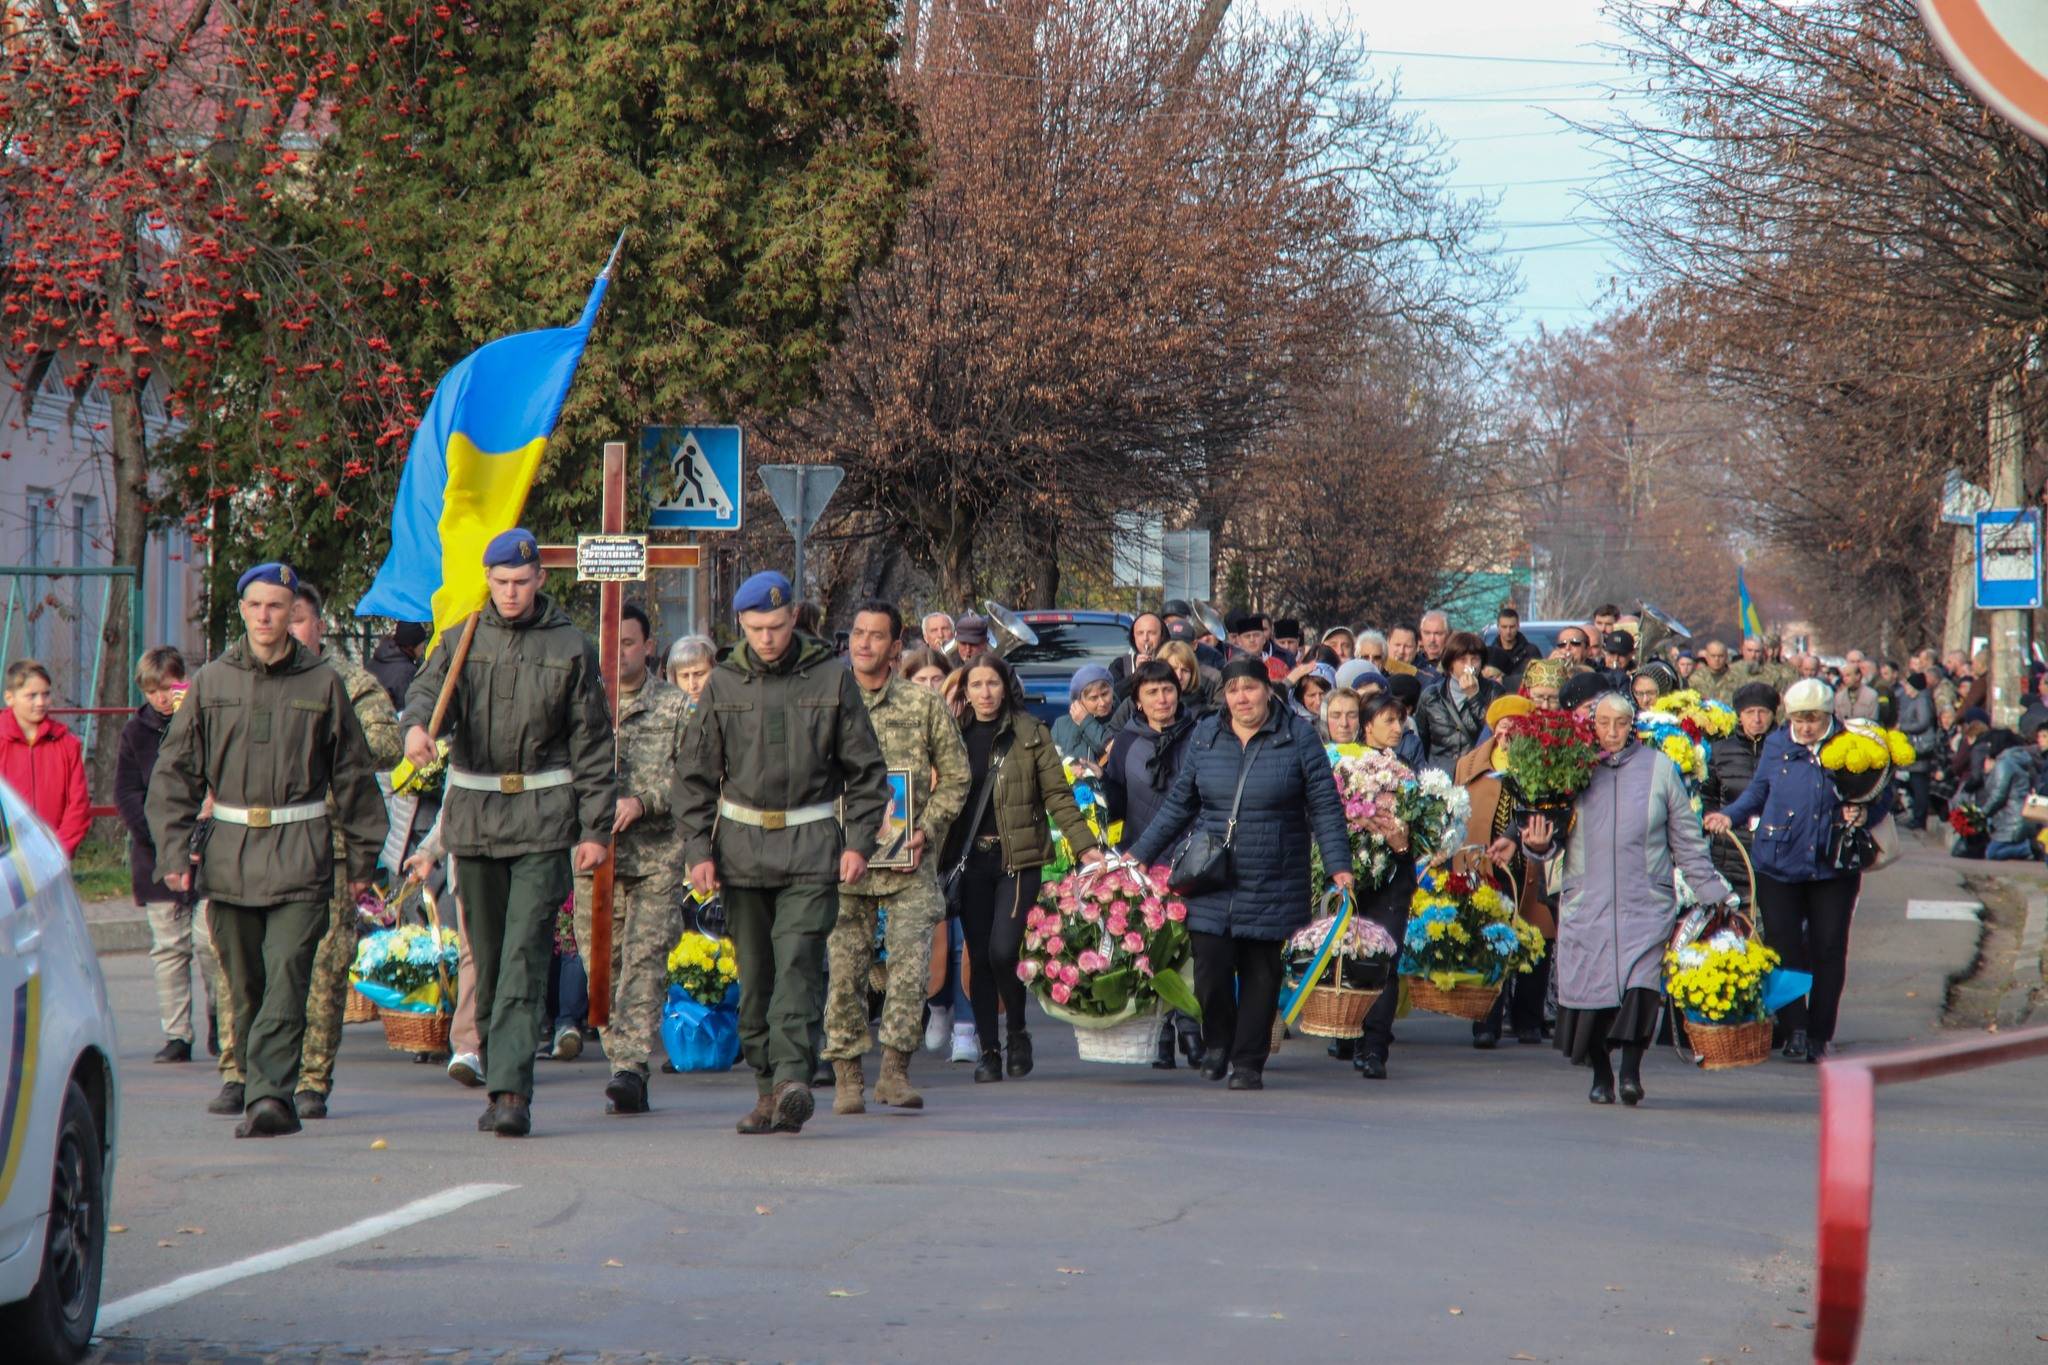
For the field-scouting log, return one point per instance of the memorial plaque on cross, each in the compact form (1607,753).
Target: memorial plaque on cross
(602,566)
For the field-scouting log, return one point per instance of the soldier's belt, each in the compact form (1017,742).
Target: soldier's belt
(777,819)
(509,784)
(263,817)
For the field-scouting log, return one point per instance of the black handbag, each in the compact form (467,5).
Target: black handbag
(1203,862)
(949,884)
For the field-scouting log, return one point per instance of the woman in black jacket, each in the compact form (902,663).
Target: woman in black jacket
(1731,762)
(1452,713)
(1259,746)
(1137,772)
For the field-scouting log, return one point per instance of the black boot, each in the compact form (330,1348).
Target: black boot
(1247,1078)
(174,1050)
(1162,1059)
(1191,1046)
(1020,1053)
(1344,1049)
(1795,1045)
(1371,1065)
(1603,1080)
(1631,1076)
(990,1067)
(1215,1065)
(626,1093)
(311,1104)
(228,1101)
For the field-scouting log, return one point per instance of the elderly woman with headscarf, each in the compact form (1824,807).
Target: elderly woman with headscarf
(1631,826)
(1804,899)
(1491,826)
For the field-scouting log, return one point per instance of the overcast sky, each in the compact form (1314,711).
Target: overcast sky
(1504,139)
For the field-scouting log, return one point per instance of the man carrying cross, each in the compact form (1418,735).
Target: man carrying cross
(530,773)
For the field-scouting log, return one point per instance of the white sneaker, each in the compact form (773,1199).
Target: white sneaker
(568,1043)
(466,1068)
(938,1028)
(966,1047)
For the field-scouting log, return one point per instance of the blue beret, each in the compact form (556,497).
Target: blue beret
(511,549)
(273,572)
(766,591)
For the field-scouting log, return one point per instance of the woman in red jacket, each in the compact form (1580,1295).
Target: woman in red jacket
(41,759)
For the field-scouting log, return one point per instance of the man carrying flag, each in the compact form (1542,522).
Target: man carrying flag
(530,773)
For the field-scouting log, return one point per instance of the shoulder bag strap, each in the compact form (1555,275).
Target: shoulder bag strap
(1244,769)
(988,788)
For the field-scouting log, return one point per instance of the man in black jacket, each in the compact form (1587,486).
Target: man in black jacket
(1511,651)
(1731,763)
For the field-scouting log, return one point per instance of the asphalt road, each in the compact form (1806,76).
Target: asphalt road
(1473,1207)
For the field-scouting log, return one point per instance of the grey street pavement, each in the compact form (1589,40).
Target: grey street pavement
(1473,1207)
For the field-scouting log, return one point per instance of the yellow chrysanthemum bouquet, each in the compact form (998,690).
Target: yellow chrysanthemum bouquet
(703,968)
(1719,980)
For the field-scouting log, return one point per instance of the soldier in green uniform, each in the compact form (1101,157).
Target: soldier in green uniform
(647,858)
(529,775)
(781,742)
(917,733)
(269,732)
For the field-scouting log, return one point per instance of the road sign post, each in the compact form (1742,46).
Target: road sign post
(801,492)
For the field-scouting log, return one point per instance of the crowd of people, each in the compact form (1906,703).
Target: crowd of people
(751,782)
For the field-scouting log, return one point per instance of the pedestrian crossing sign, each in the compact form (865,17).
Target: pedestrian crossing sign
(693,477)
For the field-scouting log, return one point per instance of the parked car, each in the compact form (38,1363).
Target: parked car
(1066,640)
(59,1101)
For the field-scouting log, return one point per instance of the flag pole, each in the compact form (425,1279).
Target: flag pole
(461,653)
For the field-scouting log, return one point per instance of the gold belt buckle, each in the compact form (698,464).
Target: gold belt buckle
(259,817)
(511,784)
(774,819)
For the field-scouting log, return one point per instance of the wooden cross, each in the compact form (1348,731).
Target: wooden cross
(610,602)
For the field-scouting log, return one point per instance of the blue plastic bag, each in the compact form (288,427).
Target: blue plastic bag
(700,1037)
(1783,986)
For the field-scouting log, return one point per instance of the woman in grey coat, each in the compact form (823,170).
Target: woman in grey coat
(1631,826)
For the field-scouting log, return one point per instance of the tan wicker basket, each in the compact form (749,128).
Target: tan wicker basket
(1464,1001)
(1723,1047)
(423,1033)
(426,1033)
(357,1008)
(1335,1011)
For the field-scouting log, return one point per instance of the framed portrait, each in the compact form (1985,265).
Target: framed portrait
(892,849)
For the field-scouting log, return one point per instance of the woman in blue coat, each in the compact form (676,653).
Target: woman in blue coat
(1805,900)
(1238,931)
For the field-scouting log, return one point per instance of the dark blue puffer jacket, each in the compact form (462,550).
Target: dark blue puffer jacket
(1794,801)
(1288,791)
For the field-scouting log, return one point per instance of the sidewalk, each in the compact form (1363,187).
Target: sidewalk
(1900,968)
(117,926)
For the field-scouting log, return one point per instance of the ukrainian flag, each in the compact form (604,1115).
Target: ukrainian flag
(472,462)
(1745,610)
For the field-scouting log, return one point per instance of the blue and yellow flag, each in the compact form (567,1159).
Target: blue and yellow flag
(1745,610)
(472,462)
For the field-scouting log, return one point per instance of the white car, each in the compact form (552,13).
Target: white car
(59,1100)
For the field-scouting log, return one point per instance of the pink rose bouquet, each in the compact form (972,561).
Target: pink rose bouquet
(1103,945)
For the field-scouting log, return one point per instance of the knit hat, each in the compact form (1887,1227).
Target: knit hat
(1086,676)
(1505,706)
(1356,673)
(1809,694)
(1756,694)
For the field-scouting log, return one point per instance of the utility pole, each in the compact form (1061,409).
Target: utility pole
(2006,436)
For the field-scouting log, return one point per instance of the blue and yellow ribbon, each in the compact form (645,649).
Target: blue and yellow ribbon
(1293,1002)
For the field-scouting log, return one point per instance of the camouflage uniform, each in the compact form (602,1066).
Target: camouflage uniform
(327,994)
(916,733)
(646,917)
(1720,689)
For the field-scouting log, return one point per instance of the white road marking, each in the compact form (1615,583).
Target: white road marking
(1966,912)
(199,1282)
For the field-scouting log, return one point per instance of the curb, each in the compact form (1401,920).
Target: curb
(129,934)
(2017,1002)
